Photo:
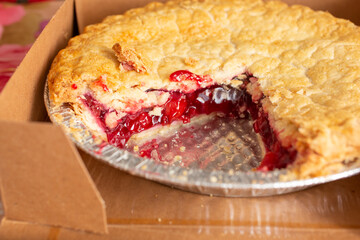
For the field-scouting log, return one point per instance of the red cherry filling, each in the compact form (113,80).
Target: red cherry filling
(185,75)
(97,109)
(100,82)
(276,156)
(174,107)
(226,100)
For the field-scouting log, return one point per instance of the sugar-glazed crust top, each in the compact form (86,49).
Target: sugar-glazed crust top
(307,65)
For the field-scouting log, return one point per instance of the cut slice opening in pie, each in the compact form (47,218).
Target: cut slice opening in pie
(293,71)
(225,100)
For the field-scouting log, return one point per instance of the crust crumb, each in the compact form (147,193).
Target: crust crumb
(131,60)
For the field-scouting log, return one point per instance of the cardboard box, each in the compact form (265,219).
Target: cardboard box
(51,190)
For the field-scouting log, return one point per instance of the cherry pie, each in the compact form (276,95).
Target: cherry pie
(293,71)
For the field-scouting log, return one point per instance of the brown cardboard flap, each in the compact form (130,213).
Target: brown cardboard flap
(44,180)
(135,201)
(211,232)
(17,230)
(22,98)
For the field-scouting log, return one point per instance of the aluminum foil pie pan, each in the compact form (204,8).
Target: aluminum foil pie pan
(215,158)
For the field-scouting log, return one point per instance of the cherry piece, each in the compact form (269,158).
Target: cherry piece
(148,148)
(100,83)
(183,75)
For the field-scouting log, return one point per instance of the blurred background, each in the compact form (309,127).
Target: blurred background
(21,22)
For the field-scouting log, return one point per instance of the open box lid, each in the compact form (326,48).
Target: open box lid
(44,180)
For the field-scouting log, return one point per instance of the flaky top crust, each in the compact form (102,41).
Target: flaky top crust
(307,65)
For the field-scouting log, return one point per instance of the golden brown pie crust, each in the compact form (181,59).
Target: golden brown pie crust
(307,65)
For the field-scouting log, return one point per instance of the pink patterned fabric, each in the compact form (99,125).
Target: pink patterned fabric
(9,15)
(10,54)
(10,57)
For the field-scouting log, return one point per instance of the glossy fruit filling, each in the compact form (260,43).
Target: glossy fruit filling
(225,100)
